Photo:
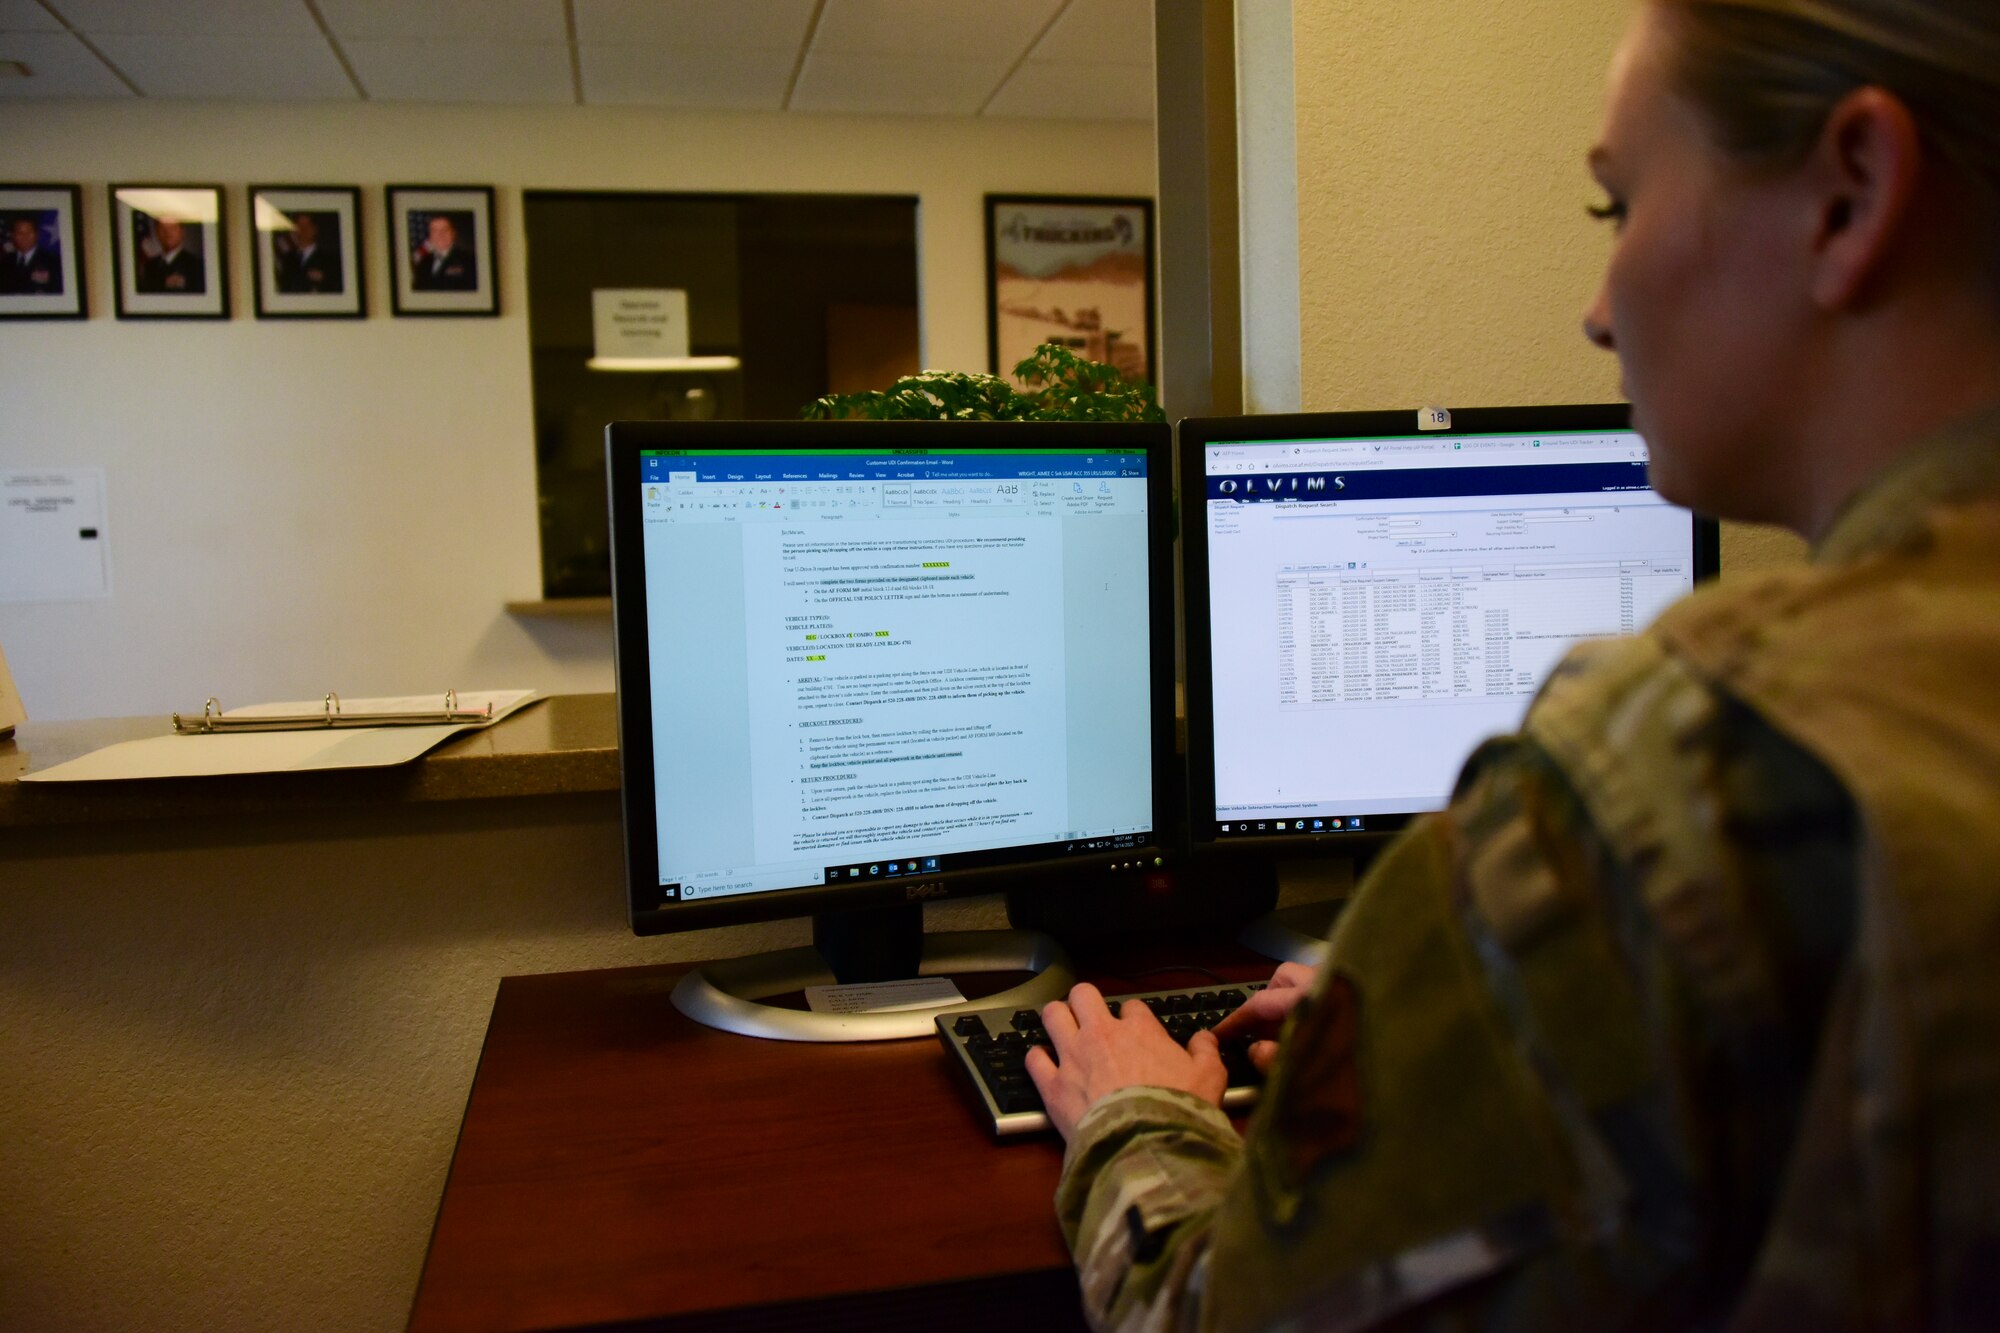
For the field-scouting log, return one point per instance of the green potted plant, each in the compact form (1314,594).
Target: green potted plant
(1062,386)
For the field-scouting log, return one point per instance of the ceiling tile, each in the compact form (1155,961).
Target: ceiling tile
(710,80)
(62,67)
(26,16)
(876,85)
(767,24)
(1102,32)
(1046,90)
(265,69)
(461,71)
(484,20)
(233,18)
(959,30)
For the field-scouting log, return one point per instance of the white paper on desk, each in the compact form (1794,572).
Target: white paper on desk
(881,997)
(174,756)
(53,546)
(222,753)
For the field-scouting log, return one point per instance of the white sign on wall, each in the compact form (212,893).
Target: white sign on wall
(53,546)
(640,322)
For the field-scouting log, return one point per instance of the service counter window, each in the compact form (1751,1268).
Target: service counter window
(698,306)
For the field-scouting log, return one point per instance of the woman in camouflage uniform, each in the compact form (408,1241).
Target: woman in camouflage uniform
(1686,1012)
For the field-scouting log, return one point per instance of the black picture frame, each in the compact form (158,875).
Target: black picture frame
(52,283)
(466,287)
(190,280)
(1100,245)
(331,282)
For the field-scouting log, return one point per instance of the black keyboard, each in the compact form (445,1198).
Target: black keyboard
(990,1048)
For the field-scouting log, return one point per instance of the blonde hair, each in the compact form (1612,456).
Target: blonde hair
(1766,73)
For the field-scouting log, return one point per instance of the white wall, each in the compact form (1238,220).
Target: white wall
(311,505)
(1444,253)
(1267,181)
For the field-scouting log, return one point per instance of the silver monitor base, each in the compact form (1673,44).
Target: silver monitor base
(725,994)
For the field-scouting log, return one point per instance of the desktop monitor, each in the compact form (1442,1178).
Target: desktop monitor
(1371,594)
(864,665)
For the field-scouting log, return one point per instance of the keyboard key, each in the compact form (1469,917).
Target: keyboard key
(1236,1064)
(968,1025)
(1018,1097)
(1027,1020)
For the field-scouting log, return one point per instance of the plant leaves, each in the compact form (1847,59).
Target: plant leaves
(1062,386)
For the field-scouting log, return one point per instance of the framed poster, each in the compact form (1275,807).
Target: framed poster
(1070,270)
(41,262)
(442,250)
(168,249)
(305,247)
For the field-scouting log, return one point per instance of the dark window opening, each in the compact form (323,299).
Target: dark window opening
(814,294)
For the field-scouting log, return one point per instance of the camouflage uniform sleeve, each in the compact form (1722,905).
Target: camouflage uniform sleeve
(1551,1067)
(1143,1168)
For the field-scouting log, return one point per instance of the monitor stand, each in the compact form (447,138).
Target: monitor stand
(1312,892)
(1292,934)
(872,944)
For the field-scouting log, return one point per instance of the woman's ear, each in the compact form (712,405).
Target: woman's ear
(1865,167)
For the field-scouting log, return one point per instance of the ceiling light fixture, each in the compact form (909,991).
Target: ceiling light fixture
(663,363)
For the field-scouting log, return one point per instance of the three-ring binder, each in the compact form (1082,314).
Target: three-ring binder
(212,719)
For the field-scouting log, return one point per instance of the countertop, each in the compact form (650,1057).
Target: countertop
(564,745)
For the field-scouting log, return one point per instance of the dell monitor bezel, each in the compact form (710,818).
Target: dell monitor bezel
(1195,435)
(624,444)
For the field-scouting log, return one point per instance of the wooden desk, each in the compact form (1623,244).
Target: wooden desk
(618,1163)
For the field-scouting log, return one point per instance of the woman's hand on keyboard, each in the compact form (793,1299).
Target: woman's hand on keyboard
(1097,1054)
(1262,1016)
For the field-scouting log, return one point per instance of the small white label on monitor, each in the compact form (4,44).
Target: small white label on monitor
(880,997)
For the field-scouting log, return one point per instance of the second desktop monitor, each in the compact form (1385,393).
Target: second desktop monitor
(1368,599)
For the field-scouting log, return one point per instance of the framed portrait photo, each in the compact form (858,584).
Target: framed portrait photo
(442,250)
(41,259)
(169,251)
(305,244)
(1074,271)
